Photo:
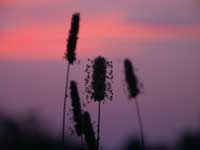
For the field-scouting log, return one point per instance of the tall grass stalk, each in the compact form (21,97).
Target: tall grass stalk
(76,109)
(134,91)
(70,56)
(99,87)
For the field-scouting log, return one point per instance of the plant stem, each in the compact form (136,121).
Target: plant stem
(82,139)
(64,105)
(82,142)
(98,127)
(140,122)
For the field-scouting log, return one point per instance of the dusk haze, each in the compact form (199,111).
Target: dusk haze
(147,81)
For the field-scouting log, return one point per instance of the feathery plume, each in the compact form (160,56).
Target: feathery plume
(70,54)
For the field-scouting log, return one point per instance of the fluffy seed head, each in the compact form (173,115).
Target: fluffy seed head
(131,79)
(99,78)
(70,54)
(76,107)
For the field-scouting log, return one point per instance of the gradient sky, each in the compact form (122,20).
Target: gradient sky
(38,29)
(161,37)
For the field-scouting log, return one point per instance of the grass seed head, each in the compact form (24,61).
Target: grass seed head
(99,78)
(131,79)
(70,54)
(89,132)
(76,107)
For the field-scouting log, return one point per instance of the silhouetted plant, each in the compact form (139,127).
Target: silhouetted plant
(88,130)
(131,79)
(98,86)
(70,56)
(76,109)
(134,91)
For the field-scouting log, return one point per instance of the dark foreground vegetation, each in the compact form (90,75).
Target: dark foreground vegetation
(31,134)
(188,140)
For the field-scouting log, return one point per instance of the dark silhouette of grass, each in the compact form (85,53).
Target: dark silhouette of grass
(77,110)
(89,132)
(76,107)
(134,91)
(83,125)
(131,79)
(99,87)
(70,56)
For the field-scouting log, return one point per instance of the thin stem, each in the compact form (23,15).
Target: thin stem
(98,127)
(82,142)
(64,105)
(82,139)
(140,122)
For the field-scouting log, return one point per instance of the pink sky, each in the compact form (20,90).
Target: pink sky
(37,30)
(161,37)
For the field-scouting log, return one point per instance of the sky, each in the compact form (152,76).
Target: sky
(38,29)
(161,38)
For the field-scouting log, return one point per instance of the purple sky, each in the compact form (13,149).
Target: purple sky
(169,104)
(162,38)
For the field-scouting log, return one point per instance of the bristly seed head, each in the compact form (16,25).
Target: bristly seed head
(70,54)
(131,79)
(99,78)
(99,72)
(76,108)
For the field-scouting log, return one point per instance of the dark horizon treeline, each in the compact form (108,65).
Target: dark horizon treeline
(31,134)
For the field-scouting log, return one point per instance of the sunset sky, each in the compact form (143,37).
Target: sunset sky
(161,38)
(38,29)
